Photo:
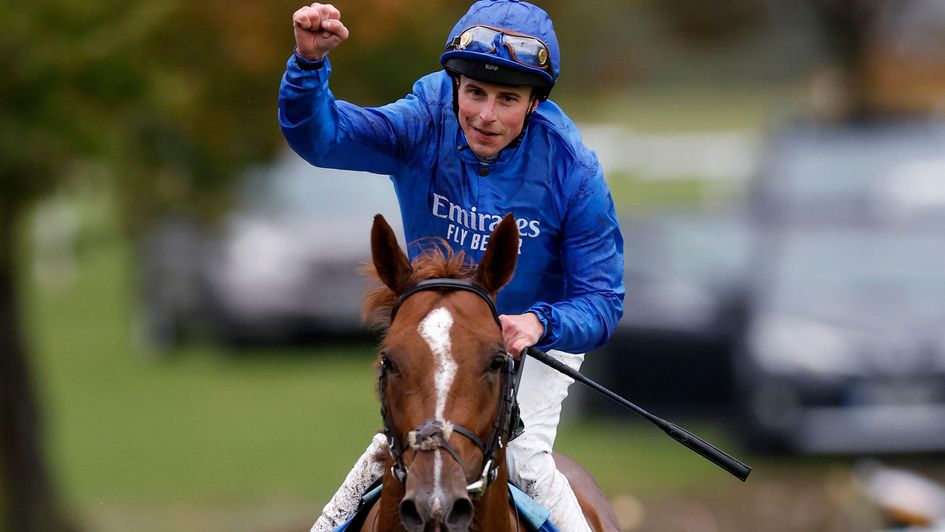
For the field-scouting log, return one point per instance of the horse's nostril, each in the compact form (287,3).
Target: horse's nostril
(460,516)
(410,517)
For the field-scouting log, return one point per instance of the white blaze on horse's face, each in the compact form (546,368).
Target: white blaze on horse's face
(435,329)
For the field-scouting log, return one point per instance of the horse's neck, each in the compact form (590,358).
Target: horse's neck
(387,518)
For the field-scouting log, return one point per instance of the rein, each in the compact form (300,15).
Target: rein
(434,434)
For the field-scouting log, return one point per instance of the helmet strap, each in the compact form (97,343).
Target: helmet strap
(455,78)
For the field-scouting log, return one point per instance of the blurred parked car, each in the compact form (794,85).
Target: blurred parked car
(684,275)
(284,265)
(884,171)
(845,347)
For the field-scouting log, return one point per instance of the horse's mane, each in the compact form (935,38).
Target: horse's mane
(436,261)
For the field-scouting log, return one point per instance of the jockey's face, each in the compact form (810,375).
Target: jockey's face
(492,115)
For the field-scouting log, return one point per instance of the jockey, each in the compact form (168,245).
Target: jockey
(470,143)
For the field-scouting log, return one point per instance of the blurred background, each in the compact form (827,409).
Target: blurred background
(179,338)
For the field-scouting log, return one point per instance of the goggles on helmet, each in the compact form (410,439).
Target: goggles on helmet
(523,49)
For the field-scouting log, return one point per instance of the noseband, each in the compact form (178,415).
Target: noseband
(434,434)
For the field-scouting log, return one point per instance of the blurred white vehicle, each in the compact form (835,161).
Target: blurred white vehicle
(284,265)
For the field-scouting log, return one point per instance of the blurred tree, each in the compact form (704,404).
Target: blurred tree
(594,50)
(887,57)
(846,26)
(905,66)
(702,21)
(35,139)
(170,100)
(392,44)
(883,56)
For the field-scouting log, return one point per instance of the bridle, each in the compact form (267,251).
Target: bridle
(435,434)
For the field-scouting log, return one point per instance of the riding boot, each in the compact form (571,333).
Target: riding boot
(365,472)
(540,479)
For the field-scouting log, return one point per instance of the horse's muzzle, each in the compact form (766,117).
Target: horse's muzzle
(436,494)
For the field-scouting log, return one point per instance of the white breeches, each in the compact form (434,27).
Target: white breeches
(531,466)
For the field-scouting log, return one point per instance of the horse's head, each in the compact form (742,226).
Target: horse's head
(445,375)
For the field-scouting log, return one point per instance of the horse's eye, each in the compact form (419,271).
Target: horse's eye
(387,364)
(498,362)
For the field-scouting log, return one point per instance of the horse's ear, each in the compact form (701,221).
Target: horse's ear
(498,263)
(390,262)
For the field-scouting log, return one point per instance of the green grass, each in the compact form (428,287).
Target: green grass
(638,458)
(202,424)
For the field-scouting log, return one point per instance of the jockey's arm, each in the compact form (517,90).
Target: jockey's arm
(592,256)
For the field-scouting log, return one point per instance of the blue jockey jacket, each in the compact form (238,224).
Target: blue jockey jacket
(570,265)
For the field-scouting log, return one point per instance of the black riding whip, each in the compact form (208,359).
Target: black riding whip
(727,462)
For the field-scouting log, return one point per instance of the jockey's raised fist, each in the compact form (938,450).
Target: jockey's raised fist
(318,30)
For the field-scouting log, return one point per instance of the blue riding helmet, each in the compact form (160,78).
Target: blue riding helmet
(509,42)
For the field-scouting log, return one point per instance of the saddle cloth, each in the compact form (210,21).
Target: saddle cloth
(533,515)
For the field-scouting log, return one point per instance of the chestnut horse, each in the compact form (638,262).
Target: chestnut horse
(446,386)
